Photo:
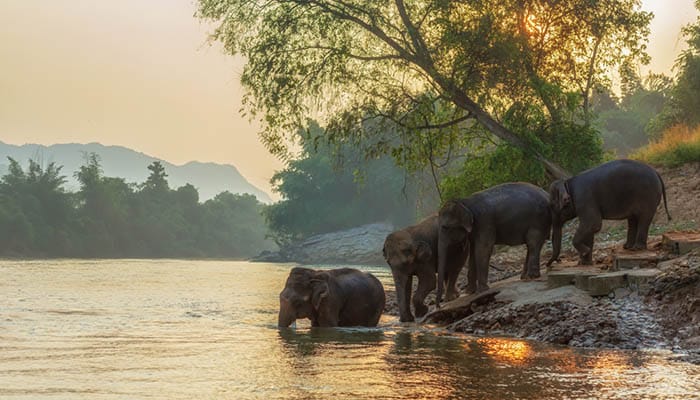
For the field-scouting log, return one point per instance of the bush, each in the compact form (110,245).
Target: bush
(574,145)
(678,145)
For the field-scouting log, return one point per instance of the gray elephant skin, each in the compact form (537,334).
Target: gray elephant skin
(336,297)
(617,190)
(509,214)
(413,251)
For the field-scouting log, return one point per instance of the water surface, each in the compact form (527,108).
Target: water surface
(172,329)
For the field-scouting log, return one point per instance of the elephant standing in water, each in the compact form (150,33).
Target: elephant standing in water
(413,251)
(511,214)
(620,189)
(337,297)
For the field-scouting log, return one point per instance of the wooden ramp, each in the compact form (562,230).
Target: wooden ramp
(460,307)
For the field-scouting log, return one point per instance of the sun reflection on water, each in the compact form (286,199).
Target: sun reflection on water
(512,351)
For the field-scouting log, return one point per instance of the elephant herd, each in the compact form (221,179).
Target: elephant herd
(466,230)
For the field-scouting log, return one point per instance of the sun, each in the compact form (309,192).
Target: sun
(532,25)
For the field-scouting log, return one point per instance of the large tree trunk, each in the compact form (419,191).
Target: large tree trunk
(462,100)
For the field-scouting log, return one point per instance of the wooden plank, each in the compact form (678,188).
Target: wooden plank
(460,307)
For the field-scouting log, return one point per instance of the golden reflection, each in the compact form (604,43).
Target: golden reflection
(511,351)
(610,363)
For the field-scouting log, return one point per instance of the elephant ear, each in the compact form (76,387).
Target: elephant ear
(559,196)
(423,252)
(319,289)
(467,220)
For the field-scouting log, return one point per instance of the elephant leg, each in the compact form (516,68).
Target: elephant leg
(535,241)
(589,224)
(523,275)
(452,292)
(643,231)
(482,255)
(426,284)
(403,284)
(471,271)
(631,232)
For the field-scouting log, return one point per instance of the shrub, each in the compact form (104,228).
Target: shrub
(678,145)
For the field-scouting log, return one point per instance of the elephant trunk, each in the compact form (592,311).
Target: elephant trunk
(287,314)
(556,241)
(442,265)
(403,285)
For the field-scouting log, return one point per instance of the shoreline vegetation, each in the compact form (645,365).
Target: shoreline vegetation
(110,218)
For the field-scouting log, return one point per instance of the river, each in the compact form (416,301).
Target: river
(181,329)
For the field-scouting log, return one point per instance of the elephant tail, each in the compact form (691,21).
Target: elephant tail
(663,192)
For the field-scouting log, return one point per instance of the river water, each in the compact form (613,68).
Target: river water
(173,329)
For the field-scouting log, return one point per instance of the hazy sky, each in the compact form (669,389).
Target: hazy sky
(138,73)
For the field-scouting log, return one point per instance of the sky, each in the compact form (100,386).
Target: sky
(141,74)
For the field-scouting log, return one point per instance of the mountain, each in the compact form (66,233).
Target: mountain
(117,161)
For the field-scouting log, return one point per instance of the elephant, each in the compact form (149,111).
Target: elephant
(617,190)
(510,213)
(336,297)
(412,251)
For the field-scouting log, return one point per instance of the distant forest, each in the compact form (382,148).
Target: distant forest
(108,217)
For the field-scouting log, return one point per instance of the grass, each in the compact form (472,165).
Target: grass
(678,145)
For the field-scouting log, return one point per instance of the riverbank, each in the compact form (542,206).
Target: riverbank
(662,313)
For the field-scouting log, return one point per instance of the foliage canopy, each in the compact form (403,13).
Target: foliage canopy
(364,68)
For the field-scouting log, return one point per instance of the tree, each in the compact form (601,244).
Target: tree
(328,188)
(684,102)
(349,62)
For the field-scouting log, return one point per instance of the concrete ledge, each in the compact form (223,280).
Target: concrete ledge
(603,284)
(633,260)
(680,242)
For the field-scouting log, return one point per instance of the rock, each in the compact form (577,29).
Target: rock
(361,246)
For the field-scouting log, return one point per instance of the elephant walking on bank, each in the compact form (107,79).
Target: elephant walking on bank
(510,214)
(413,251)
(617,190)
(337,297)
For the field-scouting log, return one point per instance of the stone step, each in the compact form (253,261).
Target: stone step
(603,284)
(636,280)
(625,259)
(680,242)
(571,273)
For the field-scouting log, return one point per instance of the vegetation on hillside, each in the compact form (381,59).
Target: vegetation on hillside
(677,146)
(108,217)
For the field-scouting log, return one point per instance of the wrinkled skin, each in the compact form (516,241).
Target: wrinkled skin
(620,189)
(337,297)
(413,252)
(510,214)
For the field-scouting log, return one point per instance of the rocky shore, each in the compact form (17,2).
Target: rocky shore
(665,313)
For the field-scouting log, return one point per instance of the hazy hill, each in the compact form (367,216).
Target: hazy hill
(209,178)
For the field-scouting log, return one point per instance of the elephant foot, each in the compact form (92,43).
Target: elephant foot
(482,288)
(421,310)
(470,289)
(451,296)
(627,246)
(585,261)
(407,319)
(638,247)
(533,274)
